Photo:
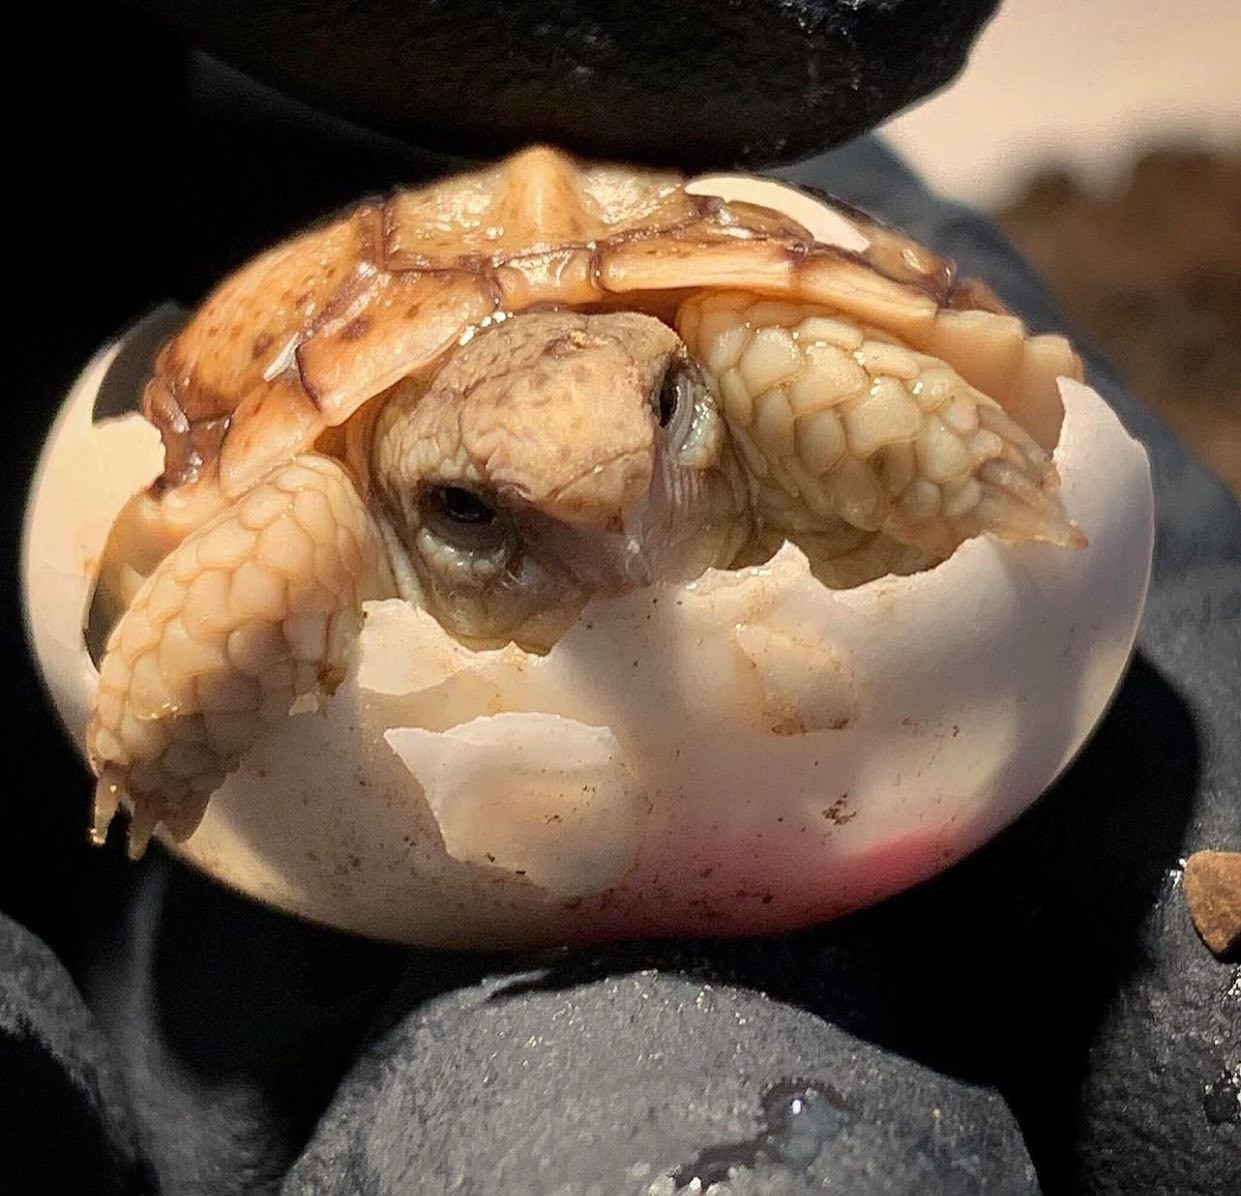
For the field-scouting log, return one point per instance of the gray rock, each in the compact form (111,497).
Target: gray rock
(231,1025)
(647,1083)
(697,82)
(1159,1100)
(65,1119)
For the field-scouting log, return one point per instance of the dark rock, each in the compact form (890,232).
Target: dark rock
(65,1122)
(230,1023)
(1170,1035)
(648,1083)
(696,83)
(1221,1101)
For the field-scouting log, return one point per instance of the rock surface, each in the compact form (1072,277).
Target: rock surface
(232,1026)
(693,83)
(65,1119)
(649,1083)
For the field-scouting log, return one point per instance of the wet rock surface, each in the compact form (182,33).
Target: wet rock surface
(693,83)
(652,1083)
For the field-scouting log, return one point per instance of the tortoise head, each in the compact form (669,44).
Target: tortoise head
(556,455)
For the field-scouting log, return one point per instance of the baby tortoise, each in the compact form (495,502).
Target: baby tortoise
(510,391)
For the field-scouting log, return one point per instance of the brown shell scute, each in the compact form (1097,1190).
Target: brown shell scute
(296,341)
(524,206)
(238,348)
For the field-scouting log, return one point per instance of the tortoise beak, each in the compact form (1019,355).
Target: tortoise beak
(692,518)
(688,521)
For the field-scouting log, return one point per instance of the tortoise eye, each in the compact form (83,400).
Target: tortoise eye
(462,519)
(458,505)
(676,400)
(670,395)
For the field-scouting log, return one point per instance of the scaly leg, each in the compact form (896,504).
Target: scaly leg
(840,422)
(254,610)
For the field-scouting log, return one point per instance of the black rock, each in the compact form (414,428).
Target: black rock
(1160,1110)
(698,82)
(648,1083)
(65,1121)
(231,1024)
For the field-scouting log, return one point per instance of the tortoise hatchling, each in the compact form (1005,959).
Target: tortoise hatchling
(510,392)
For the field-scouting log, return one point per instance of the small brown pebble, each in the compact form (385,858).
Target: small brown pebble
(1213,893)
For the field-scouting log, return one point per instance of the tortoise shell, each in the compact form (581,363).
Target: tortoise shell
(304,335)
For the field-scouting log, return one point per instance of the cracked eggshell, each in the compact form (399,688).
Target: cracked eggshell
(741,754)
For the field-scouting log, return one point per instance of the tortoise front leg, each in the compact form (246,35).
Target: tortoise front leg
(840,422)
(257,608)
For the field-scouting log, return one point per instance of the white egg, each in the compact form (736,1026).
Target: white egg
(743,753)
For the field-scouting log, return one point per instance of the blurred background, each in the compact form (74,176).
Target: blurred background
(1104,136)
